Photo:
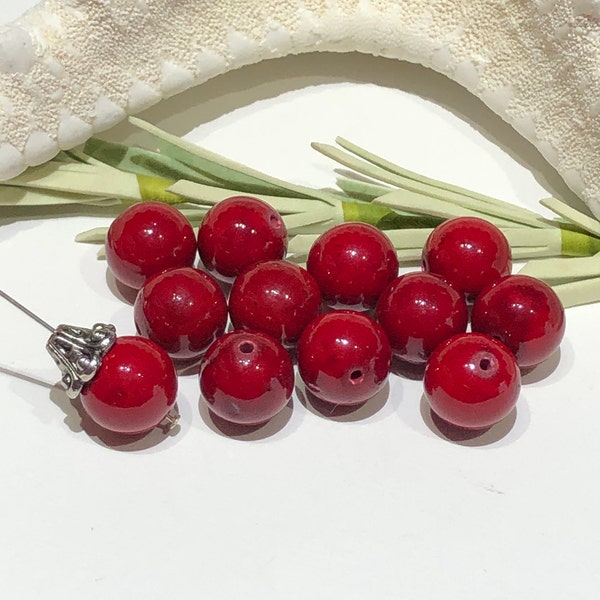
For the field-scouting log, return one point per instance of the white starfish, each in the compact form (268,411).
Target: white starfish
(71,68)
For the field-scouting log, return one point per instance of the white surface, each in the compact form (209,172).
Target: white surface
(378,504)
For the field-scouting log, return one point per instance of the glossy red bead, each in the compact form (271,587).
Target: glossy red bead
(525,314)
(469,253)
(182,310)
(239,232)
(134,388)
(276,297)
(148,238)
(246,377)
(472,381)
(418,311)
(344,357)
(352,264)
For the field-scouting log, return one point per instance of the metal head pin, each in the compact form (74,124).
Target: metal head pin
(77,351)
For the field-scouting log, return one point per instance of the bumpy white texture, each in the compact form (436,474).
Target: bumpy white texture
(71,68)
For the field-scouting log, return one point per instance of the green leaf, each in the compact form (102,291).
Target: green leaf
(361,190)
(494,209)
(588,224)
(575,243)
(97,235)
(208,195)
(22,196)
(454,190)
(142,162)
(384,218)
(577,293)
(422,204)
(310,221)
(562,270)
(232,174)
(157,189)
(301,243)
(79,178)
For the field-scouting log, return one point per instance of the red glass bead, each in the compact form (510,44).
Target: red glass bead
(148,238)
(469,253)
(418,311)
(134,388)
(525,314)
(182,310)
(246,377)
(276,297)
(344,357)
(352,264)
(472,381)
(239,232)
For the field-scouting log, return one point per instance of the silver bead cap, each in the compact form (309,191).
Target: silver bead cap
(78,353)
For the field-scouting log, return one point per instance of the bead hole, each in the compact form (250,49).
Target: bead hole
(485,364)
(246,347)
(356,376)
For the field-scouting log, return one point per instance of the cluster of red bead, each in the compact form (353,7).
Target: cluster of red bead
(346,315)
(473,379)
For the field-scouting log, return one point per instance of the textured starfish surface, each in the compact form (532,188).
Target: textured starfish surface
(71,68)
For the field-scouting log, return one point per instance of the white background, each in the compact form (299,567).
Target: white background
(376,504)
